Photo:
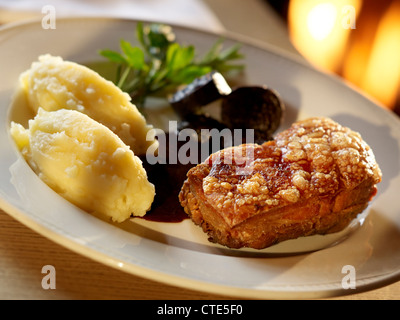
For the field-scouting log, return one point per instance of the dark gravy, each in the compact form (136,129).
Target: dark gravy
(168,180)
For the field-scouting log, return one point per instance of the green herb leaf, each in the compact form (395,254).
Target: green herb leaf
(213,53)
(133,55)
(160,65)
(231,53)
(112,56)
(179,57)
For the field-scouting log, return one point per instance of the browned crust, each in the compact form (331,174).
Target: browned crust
(313,178)
(279,224)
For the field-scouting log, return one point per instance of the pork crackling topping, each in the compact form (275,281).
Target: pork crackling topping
(314,157)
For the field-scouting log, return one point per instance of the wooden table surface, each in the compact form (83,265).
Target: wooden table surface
(24,252)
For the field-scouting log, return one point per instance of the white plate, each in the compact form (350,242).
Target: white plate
(178,254)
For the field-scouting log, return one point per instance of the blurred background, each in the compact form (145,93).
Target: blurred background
(356,39)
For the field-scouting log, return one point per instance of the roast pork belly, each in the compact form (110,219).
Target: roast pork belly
(313,178)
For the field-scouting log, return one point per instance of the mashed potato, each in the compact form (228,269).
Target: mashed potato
(52,83)
(86,163)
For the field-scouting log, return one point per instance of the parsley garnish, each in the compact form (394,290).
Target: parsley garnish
(160,65)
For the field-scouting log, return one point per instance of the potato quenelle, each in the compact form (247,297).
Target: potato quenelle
(86,163)
(53,83)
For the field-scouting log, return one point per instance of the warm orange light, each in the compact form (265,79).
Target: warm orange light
(319,30)
(368,56)
(382,74)
(321,20)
